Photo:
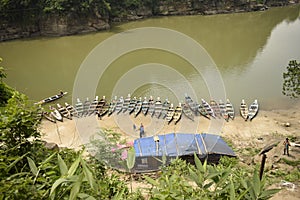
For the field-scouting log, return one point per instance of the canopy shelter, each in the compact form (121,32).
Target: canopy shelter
(150,150)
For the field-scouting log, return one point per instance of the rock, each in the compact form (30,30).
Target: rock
(287,124)
(51,145)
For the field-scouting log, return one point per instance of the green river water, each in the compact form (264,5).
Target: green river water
(250,50)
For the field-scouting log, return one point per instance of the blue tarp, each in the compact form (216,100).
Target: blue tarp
(180,144)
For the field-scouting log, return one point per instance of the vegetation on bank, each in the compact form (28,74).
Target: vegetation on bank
(28,170)
(291,83)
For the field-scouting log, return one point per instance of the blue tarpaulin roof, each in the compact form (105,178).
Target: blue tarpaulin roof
(180,144)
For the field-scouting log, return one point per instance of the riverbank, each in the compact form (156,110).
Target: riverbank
(58,24)
(246,138)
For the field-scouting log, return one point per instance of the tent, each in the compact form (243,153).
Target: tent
(150,150)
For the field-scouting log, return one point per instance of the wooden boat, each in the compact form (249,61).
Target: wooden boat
(223,112)
(229,109)
(48,116)
(93,106)
(63,111)
(126,103)
(101,103)
(193,105)
(187,112)
(215,107)
(71,109)
(208,109)
(244,110)
(151,106)
(145,106)
(170,113)
(157,107)
(112,106)
(138,107)
(177,113)
(132,105)
(253,110)
(119,105)
(55,113)
(165,108)
(103,110)
(52,98)
(79,107)
(202,111)
(86,106)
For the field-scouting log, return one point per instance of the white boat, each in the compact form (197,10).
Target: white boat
(145,106)
(63,111)
(79,107)
(131,105)
(229,109)
(208,108)
(165,108)
(138,107)
(101,103)
(223,112)
(151,106)
(55,113)
(170,113)
(71,109)
(177,113)
(86,106)
(52,98)
(93,106)
(126,103)
(112,106)
(244,110)
(187,112)
(119,105)
(215,107)
(253,110)
(157,107)
(193,105)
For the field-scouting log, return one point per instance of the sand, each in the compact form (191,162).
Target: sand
(266,128)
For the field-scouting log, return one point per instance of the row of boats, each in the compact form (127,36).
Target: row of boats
(154,108)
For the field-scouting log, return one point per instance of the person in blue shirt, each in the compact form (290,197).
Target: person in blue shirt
(286,144)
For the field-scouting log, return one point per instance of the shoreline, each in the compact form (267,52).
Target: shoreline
(73,133)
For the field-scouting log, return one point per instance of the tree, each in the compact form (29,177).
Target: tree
(291,84)
(5,91)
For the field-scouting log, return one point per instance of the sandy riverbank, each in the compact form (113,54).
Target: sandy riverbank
(267,128)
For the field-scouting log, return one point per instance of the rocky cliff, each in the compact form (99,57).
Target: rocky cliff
(57,25)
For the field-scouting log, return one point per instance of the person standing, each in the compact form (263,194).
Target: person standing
(286,144)
(142,130)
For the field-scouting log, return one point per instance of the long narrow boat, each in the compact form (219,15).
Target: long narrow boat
(132,105)
(138,107)
(119,105)
(193,105)
(112,106)
(170,113)
(52,98)
(165,108)
(86,106)
(157,107)
(215,107)
(93,106)
(103,110)
(177,113)
(151,106)
(253,110)
(79,107)
(208,108)
(48,116)
(63,111)
(229,109)
(145,106)
(71,109)
(187,112)
(223,112)
(55,113)
(202,111)
(126,103)
(244,110)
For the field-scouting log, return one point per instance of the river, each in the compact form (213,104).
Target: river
(249,51)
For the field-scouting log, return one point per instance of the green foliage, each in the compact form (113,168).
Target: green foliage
(291,84)
(204,181)
(5,91)
(291,162)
